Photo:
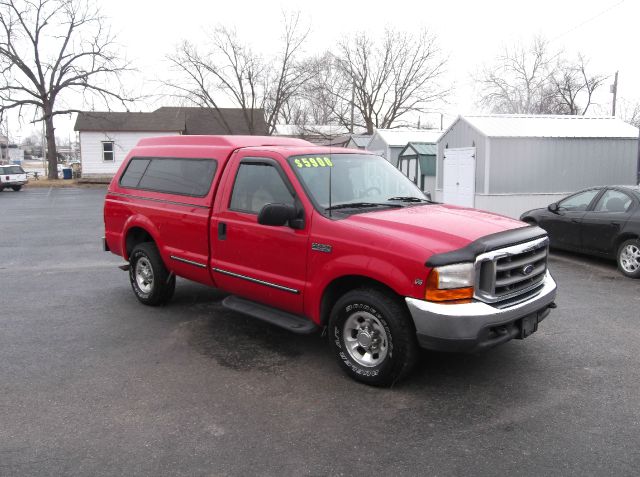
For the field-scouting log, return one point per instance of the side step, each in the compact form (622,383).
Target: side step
(288,321)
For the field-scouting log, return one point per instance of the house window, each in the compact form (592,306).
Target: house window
(107,151)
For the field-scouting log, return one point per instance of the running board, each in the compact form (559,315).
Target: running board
(288,321)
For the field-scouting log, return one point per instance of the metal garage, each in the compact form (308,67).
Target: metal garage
(511,163)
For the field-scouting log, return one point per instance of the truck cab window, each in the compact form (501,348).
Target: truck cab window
(256,185)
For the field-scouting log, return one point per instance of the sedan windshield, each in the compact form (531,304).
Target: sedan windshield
(354,181)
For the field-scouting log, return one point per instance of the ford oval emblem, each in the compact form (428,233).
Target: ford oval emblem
(528,269)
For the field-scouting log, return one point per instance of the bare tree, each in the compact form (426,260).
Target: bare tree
(320,100)
(630,112)
(385,80)
(52,47)
(230,67)
(534,80)
(572,88)
(518,81)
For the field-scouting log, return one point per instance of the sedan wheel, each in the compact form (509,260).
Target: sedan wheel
(629,258)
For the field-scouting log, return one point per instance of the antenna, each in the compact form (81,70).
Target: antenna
(330,214)
(330,167)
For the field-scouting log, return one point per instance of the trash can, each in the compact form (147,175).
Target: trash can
(66,173)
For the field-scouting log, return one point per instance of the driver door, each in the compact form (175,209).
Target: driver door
(262,263)
(564,225)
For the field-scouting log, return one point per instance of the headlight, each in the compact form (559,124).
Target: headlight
(451,282)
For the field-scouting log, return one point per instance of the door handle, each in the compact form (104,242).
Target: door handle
(222,231)
(575,221)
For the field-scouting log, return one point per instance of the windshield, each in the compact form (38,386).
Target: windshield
(11,170)
(354,179)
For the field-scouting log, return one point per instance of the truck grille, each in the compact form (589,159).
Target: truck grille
(512,272)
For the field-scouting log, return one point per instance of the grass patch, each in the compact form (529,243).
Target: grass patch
(60,183)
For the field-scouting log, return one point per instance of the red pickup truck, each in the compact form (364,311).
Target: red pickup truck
(316,238)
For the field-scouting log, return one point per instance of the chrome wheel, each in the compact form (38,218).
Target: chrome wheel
(630,258)
(365,339)
(144,275)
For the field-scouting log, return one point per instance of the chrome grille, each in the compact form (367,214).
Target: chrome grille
(507,273)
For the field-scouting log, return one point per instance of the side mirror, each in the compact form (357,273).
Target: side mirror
(428,196)
(276,214)
(553,207)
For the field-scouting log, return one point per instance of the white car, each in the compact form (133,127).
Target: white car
(12,176)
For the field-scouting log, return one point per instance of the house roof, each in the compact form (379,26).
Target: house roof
(323,130)
(401,137)
(338,141)
(419,148)
(212,121)
(172,119)
(361,140)
(520,125)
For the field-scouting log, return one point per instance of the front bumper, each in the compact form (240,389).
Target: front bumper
(475,326)
(12,183)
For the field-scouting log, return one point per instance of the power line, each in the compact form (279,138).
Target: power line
(588,20)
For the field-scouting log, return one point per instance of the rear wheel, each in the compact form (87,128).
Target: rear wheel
(16,188)
(373,337)
(152,283)
(629,258)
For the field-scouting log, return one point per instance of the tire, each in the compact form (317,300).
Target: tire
(152,283)
(16,188)
(359,319)
(628,257)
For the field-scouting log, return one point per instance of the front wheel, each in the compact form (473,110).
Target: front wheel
(373,337)
(629,258)
(152,283)
(16,188)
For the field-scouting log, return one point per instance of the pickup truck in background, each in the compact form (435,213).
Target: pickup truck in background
(12,176)
(316,238)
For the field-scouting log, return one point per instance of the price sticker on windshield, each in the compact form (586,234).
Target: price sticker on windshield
(313,162)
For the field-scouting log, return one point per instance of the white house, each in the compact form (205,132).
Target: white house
(107,137)
(388,143)
(16,154)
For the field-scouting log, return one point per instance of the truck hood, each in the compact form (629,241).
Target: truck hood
(438,228)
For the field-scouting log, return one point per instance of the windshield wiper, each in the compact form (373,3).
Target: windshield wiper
(360,205)
(409,199)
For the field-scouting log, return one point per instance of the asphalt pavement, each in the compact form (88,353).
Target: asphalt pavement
(94,383)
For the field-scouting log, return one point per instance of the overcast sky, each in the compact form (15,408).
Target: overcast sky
(470,32)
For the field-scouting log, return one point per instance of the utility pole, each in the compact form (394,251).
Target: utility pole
(614,90)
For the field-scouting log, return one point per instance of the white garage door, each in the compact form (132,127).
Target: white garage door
(459,176)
